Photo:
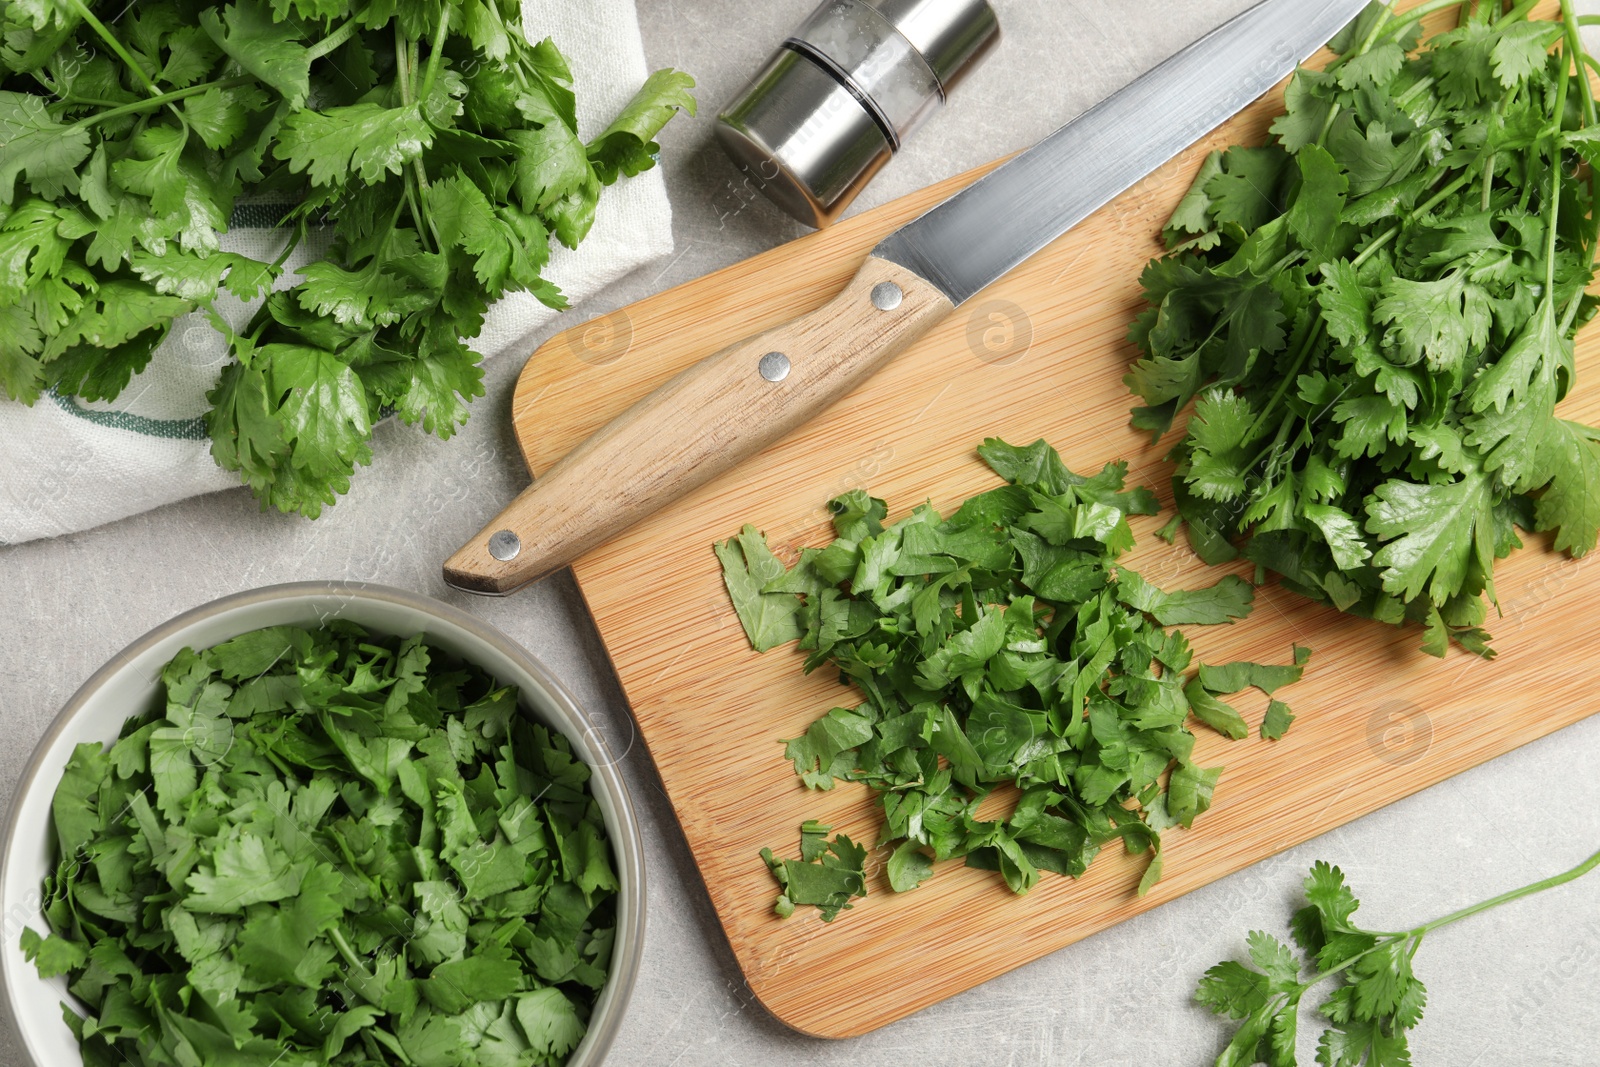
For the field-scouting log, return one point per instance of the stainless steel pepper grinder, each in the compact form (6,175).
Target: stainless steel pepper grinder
(840,96)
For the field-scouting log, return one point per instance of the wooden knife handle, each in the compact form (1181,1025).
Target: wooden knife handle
(697,425)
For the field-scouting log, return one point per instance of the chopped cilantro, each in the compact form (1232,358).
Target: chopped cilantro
(378,862)
(1234,677)
(829,875)
(1002,645)
(1277,721)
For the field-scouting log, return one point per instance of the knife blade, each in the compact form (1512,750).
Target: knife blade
(737,401)
(982,232)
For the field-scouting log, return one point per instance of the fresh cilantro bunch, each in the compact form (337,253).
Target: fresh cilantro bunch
(1374,317)
(1001,648)
(326,847)
(434,146)
(1376,999)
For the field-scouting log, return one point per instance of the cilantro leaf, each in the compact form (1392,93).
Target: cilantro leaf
(1223,435)
(436,389)
(1213,712)
(365,140)
(550,1022)
(1277,721)
(1229,599)
(324,410)
(1234,677)
(1191,222)
(1433,533)
(53,955)
(246,435)
(1313,218)
(20,342)
(1191,790)
(1570,505)
(908,867)
(246,869)
(1233,990)
(748,566)
(829,879)
(34,146)
(269,49)
(828,746)
(627,145)
(1245,194)
(1434,320)
(551,166)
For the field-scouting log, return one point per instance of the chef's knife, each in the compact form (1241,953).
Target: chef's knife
(735,403)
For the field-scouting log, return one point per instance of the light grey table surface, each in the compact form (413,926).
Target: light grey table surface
(1519,985)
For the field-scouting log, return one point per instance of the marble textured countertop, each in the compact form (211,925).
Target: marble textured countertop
(1515,986)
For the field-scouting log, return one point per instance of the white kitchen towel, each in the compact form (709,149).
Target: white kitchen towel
(68,465)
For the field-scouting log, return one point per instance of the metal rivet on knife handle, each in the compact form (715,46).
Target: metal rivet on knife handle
(504,545)
(886,296)
(774,366)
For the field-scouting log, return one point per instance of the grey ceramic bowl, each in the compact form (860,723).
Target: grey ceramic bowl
(127,684)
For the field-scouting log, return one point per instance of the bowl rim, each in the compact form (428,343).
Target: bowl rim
(627,842)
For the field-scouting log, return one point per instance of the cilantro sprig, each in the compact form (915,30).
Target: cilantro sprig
(425,144)
(1377,998)
(1001,652)
(326,847)
(1374,315)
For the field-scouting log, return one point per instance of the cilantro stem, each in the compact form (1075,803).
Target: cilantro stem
(1517,13)
(1489,162)
(1285,379)
(335,39)
(1574,47)
(294,241)
(402,71)
(1553,211)
(112,43)
(414,187)
(94,101)
(1418,13)
(1505,898)
(415,182)
(1276,447)
(1570,312)
(1422,86)
(435,54)
(160,101)
(1428,205)
(219,323)
(1377,28)
(350,958)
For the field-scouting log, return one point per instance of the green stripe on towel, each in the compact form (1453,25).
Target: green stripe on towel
(171,429)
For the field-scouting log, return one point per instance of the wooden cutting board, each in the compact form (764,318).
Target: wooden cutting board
(1040,354)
